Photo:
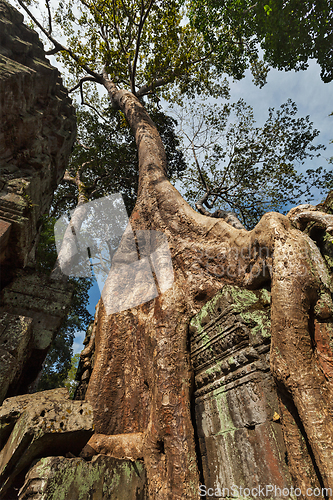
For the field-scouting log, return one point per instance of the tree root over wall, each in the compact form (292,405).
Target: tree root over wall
(142,378)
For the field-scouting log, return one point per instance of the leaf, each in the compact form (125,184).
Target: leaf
(267,9)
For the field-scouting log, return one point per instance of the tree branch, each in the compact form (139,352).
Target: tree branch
(147,89)
(199,205)
(65,196)
(83,102)
(230,217)
(131,19)
(68,178)
(84,79)
(199,170)
(87,148)
(47,2)
(117,28)
(143,18)
(303,214)
(58,47)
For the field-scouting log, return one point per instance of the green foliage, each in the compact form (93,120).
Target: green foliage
(58,360)
(147,47)
(290,32)
(249,169)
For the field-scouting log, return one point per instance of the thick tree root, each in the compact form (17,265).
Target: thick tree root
(142,379)
(127,446)
(303,214)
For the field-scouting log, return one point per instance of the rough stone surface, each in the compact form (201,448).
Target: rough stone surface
(15,347)
(5,228)
(236,406)
(44,424)
(43,303)
(12,408)
(37,131)
(104,478)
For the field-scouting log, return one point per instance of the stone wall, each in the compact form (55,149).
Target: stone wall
(236,406)
(103,478)
(37,425)
(33,306)
(37,132)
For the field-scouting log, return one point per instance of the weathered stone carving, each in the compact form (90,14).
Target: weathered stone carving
(236,406)
(42,303)
(37,131)
(40,424)
(59,478)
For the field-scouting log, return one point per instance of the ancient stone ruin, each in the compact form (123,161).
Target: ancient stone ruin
(37,131)
(54,448)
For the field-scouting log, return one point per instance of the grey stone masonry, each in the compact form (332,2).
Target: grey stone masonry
(236,407)
(37,132)
(40,424)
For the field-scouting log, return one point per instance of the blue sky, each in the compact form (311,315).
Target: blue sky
(305,88)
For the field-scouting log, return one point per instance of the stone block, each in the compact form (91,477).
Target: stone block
(45,426)
(37,132)
(5,228)
(8,369)
(41,298)
(235,398)
(103,478)
(12,408)
(15,334)
(15,347)
(46,302)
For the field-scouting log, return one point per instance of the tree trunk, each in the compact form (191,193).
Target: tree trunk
(142,378)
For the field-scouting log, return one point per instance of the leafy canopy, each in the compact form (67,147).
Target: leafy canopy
(290,32)
(247,169)
(145,46)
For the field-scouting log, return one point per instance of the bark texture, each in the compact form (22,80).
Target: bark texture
(142,378)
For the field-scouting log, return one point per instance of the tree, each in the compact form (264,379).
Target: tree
(289,32)
(134,49)
(231,157)
(328,179)
(104,159)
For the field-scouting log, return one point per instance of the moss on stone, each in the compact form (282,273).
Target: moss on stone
(102,478)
